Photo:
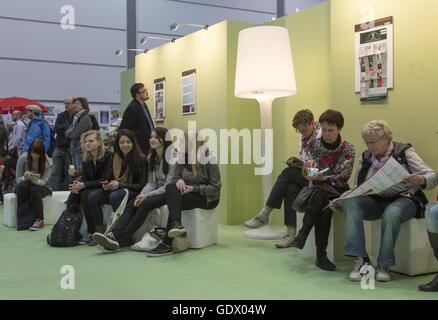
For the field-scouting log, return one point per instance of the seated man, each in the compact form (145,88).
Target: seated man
(290,182)
(393,209)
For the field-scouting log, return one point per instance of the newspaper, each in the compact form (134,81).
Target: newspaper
(387,181)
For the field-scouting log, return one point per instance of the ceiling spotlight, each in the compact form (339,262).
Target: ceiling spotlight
(119,52)
(176,25)
(145,39)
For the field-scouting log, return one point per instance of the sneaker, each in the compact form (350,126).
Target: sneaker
(286,241)
(358,269)
(383,274)
(37,225)
(105,250)
(86,239)
(176,230)
(255,222)
(108,241)
(161,250)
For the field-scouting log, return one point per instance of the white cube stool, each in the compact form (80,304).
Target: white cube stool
(52,210)
(201,226)
(335,247)
(413,252)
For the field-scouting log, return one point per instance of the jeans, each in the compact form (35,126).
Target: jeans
(92,208)
(76,159)
(393,214)
(59,179)
(432,219)
(289,183)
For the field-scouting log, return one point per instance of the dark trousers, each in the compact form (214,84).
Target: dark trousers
(59,179)
(79,200)
(288,185)
(133,217)
(321,219)
(26,191)
(176,202)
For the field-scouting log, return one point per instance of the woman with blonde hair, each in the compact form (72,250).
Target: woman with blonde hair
(95,165)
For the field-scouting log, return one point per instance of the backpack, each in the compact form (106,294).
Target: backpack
(52,144)
(95,123)
(65,232)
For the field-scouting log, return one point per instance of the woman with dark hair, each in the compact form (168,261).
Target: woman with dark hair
(328,173)
(127,171)
(160,173)
(81,124)
(32,175)
(197,184)
(95,165)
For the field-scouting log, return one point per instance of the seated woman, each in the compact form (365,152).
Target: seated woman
(394,208)
(95,165)
(151,197)
(336,156)
(127,171)
(198,185)
(432,230)
(290,182)
(32,176)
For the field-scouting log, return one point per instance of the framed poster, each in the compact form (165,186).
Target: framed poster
(189,92)
(160,99)
(374,58)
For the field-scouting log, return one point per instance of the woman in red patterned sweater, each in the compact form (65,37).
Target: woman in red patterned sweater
(334,157)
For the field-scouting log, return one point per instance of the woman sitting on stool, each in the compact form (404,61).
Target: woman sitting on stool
(32,176)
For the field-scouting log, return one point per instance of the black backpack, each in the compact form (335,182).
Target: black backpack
(65,232)
(95,123)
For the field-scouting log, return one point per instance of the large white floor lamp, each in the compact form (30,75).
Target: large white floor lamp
(264,72)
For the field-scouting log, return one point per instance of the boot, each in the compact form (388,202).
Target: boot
(433,238)
(324,263)
(431,286)
(101,228)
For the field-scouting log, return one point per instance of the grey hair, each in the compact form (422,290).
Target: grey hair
(376,128)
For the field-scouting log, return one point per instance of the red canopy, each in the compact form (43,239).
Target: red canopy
(10,104)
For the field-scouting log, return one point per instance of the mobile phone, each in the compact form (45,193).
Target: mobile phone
(35,175)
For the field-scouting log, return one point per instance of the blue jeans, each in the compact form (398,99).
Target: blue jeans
(97,198)
(59,178)
(393,214)
(432,219)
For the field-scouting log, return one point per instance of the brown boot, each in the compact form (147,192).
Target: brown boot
(101,228)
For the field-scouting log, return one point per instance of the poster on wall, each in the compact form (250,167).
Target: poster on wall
(189,92)
(374,58)
(160,99)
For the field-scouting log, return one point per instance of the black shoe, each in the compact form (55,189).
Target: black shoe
(176,230)
(161,250)
(299,241)
(431,286)
(324,263)
(107,241)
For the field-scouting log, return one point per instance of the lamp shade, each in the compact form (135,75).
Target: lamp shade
(264,63)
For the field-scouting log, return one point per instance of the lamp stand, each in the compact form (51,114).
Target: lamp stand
(266,232)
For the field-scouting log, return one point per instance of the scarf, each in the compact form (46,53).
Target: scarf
(121,170)
(332,146)
(376,164)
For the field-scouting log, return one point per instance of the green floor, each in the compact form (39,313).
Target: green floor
(235,268)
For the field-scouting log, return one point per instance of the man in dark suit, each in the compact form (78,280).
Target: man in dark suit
(137,117)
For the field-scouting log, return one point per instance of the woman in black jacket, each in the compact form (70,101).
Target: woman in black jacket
(95,165)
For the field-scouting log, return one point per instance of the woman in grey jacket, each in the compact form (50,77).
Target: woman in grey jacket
(160,173)
(81,124)
(197,184)
(32,176)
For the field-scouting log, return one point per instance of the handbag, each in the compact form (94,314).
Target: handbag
(25,218)
(300,202)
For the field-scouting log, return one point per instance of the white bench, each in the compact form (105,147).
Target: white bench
(413,252)
(335,247)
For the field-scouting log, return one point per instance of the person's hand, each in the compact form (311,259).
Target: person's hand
(310,164)
(188,189)
(181,185)
(28,175)
(415,180)
(113,185)
(140,198)
(334,204)
(33,178)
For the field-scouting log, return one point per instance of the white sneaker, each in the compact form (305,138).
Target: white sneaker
(383,274)
(356,273)
(255,222)
(287,240)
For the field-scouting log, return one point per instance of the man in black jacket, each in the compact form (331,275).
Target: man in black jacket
(61,157)
(137,117)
